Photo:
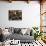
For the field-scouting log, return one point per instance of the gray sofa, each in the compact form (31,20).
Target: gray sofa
(22,38)
(17,35)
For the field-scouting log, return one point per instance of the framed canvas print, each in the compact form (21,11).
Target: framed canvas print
(15,14)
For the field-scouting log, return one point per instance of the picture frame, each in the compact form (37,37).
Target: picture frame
(15,14)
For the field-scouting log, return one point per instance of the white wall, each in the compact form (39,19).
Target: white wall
(30,14)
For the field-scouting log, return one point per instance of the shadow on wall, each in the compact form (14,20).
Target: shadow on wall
(1,35)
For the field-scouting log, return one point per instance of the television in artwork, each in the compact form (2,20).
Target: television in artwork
(15,14)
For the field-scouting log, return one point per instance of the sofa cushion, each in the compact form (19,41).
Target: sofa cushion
(11,30)
(23,30)
(17,30)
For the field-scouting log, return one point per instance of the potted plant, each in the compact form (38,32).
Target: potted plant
(37,33)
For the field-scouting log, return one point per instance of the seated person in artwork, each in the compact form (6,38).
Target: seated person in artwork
(1,35)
